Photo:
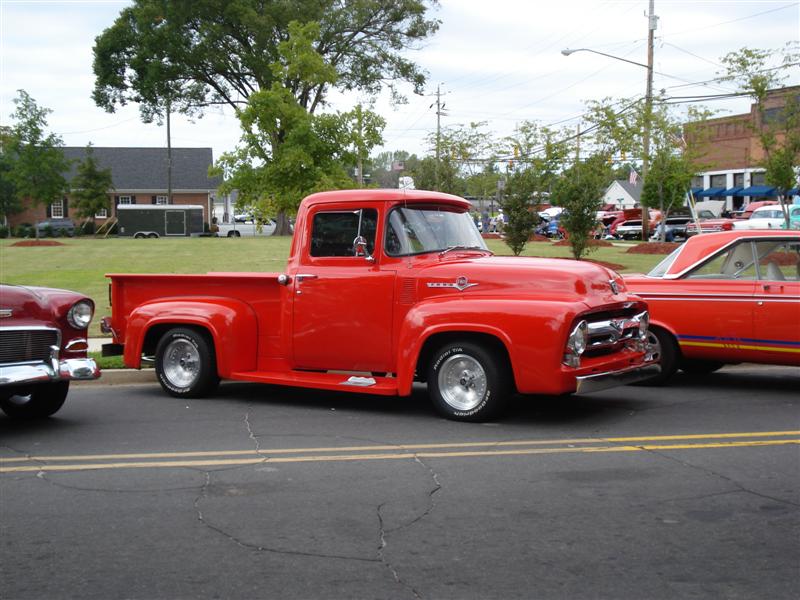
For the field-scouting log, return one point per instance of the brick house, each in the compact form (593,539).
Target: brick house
(731,152)
(140,177)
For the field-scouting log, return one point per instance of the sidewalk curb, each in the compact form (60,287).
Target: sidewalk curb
(121,377)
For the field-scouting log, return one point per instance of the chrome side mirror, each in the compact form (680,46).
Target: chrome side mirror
(360,248)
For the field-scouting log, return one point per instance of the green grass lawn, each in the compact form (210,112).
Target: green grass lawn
(81,263)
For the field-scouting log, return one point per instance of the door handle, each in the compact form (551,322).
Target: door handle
(303,276)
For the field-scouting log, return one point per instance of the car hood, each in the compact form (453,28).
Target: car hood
(555,279)
(22,305)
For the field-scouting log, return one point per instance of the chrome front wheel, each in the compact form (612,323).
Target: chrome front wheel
(462,382)
(467,382)
(186,363)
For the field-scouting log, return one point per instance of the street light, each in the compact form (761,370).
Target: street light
(568,51)
(648,99)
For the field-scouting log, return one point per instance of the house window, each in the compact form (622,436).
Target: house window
(758,178)
(57,209)
(161,200)
(738,180)
(124,199)
(101,214)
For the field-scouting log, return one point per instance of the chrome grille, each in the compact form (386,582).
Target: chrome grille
(26,345)
(610,334)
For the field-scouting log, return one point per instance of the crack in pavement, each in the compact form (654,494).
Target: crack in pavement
(711,473)
(382,557)
(257,547)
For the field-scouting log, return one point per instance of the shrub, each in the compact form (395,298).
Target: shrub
(4,231)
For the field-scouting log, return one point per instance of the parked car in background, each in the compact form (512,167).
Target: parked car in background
(721,298)
(676,224)
(726,223)
(58,227)
(246,229)
(43,346)
(794,217)
(764,217)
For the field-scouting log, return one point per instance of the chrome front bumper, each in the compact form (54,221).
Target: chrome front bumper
(53,369)
(604,381)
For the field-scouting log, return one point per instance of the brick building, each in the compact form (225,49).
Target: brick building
(731,152)
(140,177)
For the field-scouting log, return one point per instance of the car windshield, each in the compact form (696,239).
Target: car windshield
(661,268)
(423,229)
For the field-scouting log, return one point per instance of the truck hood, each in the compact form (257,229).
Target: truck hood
(542,278)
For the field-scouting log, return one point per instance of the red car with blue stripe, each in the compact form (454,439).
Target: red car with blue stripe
(724,298)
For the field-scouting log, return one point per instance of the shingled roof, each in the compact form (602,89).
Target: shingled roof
(146,168)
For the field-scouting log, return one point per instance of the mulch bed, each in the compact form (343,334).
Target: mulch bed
(37,243)
(538,238)
(596,243)
(491,236)
(653,248)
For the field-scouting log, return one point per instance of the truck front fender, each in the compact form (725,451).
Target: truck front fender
(530,331)
(232,324)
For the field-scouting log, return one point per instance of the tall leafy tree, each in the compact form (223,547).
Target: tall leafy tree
(90,187)
(203,53)
(579,190)
(35,161)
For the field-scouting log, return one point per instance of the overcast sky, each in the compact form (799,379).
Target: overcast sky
(496,61)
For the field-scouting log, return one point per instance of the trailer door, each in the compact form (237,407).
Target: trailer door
(175,222)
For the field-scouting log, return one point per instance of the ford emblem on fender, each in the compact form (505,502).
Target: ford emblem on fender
(614,286)
(5,313)
(461,284)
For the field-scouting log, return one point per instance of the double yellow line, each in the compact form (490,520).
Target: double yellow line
(225,458)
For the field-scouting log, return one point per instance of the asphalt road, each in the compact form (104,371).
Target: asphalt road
(689,491)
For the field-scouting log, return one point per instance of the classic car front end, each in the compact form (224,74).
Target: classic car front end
(43,345)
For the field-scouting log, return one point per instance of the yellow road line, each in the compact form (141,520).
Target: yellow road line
(388,456)
(497,444)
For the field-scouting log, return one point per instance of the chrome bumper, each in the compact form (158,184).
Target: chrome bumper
(53,369)
(604,381)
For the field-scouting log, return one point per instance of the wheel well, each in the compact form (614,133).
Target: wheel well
(435,341)
(156,332)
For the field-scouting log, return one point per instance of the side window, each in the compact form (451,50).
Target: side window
(333,233)
(735,263)
(778,261)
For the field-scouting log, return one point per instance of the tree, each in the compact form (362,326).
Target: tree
(225,52)
(538,153)
(579,190)
(366,129)
(519,210)
(90,187)
(777,128)
(35,161)
(9,200)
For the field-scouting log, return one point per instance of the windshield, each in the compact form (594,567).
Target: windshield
(423,229)
(664,265)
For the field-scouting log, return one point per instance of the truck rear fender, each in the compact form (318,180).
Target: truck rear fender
(528,333)
(232,325)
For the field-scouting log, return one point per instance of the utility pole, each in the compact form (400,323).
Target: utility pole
(360,125)
(652,23)
(169,155)
(438,132)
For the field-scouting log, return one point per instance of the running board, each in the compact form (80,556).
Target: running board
(383,386)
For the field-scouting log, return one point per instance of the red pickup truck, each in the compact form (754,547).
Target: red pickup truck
(382,288)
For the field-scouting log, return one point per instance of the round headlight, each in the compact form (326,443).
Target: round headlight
(80,315)
(579,338)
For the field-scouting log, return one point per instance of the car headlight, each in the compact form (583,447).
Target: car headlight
(579,338)
(80,315)
(644,324)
